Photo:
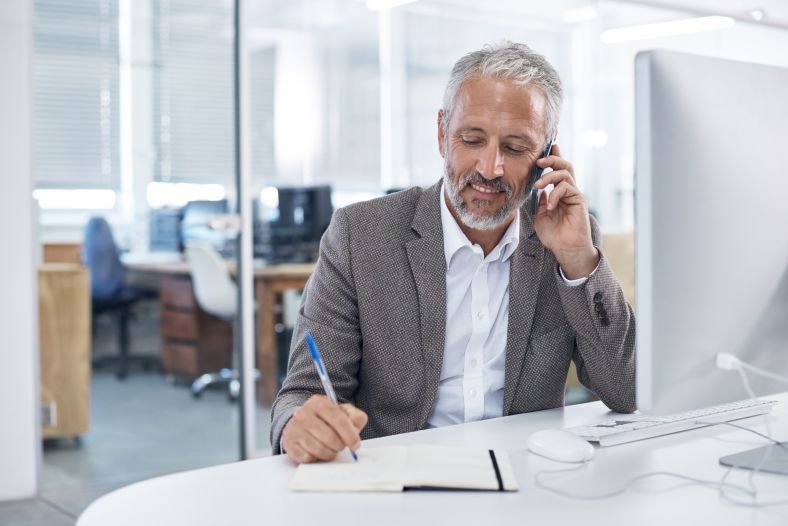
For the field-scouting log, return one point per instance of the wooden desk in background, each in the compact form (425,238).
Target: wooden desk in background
(270,283)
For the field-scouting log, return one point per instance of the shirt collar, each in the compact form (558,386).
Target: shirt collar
(454,238)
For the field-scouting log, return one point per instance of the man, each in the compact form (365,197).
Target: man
(453,303)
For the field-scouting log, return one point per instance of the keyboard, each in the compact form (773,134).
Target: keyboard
(628,428)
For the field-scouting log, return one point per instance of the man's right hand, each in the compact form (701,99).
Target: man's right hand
(318,430)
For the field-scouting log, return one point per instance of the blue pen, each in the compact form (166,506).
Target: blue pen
(324,379)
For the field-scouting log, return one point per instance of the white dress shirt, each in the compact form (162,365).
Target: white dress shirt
(477,318)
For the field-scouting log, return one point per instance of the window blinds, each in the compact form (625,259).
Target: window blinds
(193,108)
(75,94)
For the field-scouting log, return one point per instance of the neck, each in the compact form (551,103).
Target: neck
(487,239)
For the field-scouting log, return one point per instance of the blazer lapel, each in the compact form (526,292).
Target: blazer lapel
(524,278)
(428,265)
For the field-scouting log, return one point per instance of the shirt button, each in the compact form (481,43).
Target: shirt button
(473,364)
(473,393)
(480,315)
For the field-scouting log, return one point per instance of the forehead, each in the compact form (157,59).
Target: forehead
(500,106)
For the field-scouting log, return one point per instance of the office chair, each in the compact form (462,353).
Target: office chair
(109,292)
(216,294)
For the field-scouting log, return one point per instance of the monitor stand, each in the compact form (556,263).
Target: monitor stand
(770,459)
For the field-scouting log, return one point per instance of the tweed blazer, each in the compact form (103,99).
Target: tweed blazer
(376,305)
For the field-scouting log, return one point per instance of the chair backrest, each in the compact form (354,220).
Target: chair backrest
(216,293)
(107,273)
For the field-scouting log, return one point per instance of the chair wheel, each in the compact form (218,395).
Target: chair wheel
(120,375)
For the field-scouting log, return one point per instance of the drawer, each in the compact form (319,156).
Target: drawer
(180,359)
(179,325)
(177,292)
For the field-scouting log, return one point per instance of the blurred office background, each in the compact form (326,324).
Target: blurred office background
(134,122)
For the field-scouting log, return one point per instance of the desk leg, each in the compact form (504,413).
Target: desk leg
(267,352)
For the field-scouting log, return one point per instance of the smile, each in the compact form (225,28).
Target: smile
(484,190)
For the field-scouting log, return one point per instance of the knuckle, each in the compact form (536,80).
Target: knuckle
(298,418)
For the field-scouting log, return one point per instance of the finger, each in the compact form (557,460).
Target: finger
(357,416)
(316,448)
(562,191)
(554,177)
(541,204)
(325,434)
(555,161)
(299,455)
(340,422)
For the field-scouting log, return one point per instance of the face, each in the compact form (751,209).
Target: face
(496,134)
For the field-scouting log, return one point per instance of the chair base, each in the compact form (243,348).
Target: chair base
(228,376)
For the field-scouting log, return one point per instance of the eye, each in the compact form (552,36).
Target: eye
(470,140)
(515,149)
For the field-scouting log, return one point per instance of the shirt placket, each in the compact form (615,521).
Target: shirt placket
(473,375)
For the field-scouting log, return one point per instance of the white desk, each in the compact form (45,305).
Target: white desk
(254,492)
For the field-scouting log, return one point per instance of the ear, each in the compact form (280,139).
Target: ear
(441,143)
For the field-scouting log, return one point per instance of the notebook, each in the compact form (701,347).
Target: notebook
(397,468)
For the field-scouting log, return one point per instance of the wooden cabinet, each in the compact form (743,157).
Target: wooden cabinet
(62,253)
(193,341)
(64,342)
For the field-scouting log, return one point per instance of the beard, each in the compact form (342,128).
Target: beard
(484,216)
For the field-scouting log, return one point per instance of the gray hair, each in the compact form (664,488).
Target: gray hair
(507,60)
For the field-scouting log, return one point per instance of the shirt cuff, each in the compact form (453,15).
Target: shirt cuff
(579,281)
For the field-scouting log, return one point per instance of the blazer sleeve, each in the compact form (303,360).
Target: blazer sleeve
(330,311)
(604,325)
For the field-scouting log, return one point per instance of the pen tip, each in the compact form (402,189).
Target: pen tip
(355,457)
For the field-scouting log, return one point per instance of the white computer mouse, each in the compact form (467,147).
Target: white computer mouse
(560,445)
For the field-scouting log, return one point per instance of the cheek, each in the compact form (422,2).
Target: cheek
(518,181)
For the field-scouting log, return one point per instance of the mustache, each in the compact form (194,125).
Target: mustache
(476,178)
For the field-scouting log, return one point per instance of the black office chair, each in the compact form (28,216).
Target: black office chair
(110,294)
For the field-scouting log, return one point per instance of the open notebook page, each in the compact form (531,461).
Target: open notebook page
(455,467)
(394,468)
(377,469)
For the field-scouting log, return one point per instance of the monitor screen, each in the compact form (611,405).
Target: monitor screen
(711,243)
(195,222)
(291,229)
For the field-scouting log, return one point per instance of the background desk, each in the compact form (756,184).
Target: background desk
(182,342)
(254,492)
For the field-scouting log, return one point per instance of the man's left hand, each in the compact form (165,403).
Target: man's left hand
(561,221)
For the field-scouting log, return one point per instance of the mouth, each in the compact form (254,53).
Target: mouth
(484,189)
(484,192)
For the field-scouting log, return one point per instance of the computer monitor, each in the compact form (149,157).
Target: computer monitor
(195,223)
(292,232)
(711,180)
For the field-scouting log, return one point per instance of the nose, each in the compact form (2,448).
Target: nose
(490,163)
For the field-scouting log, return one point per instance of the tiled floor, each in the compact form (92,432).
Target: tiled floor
(140,428)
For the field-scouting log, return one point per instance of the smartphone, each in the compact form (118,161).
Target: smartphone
(537,173)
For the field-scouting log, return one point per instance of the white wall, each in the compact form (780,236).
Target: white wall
(19,438)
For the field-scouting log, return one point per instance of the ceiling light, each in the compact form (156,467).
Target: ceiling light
(382,5)
(666,29)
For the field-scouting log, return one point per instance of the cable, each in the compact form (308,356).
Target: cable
(737,426)
(724,361)
(730,362)
(719,485)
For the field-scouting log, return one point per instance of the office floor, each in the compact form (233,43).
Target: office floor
(142,427)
